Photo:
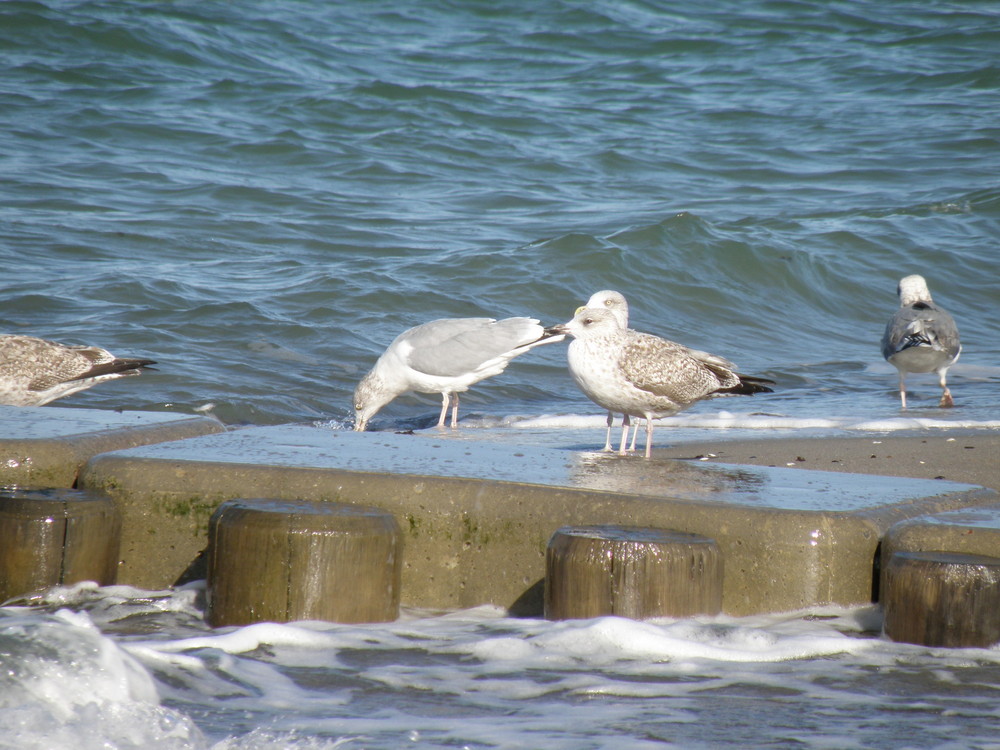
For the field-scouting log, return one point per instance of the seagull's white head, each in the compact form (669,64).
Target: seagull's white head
(590,322)
(370,396)
(913,289)
(613,301)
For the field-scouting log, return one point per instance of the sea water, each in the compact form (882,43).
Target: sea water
(262,195)
(118,667)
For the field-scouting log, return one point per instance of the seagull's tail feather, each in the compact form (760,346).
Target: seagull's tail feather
(918,333)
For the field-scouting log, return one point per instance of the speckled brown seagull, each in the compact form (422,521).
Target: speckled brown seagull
(34,371)
(921,337)
(641,375)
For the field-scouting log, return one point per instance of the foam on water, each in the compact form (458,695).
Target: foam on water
(64,684)
(583,431)
(130,668)
(609,640)
(762,422)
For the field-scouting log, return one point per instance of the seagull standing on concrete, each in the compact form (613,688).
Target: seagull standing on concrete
(921,337)
(618,305)
(445,356)
(642,375)
(34,371)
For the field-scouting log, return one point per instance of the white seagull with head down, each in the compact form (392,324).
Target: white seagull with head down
(445,356)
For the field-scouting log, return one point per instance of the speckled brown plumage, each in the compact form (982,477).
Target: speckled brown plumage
(35,371)
(641,375)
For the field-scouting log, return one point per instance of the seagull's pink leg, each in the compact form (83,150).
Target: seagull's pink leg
(946,399)
(444,409)
(649,437)
(454,410)
(625,423)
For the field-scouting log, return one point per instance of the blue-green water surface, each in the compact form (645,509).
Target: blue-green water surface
(262,195)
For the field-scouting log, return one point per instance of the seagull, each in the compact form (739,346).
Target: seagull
(445,356)
(642,375)
(618,305)
(921,337)
(35,371)
(613,301)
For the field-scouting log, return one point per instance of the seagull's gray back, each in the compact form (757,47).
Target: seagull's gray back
(452,347)
(921,324)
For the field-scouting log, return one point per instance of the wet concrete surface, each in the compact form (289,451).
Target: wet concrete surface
(477,516)
(45,447)
(424,454)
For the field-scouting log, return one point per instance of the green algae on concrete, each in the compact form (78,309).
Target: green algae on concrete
(477,516)
(45,447)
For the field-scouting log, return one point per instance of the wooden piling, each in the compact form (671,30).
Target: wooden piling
(941,599)
(54,537)
(279,561)
(631,572)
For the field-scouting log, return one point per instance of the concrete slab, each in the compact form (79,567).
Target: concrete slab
(477,516)
(45,447)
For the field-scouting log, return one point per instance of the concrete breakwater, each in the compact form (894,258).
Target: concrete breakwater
(45,447)
(476,517)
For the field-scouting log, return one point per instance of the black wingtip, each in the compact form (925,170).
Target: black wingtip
(749,385)
(115,366)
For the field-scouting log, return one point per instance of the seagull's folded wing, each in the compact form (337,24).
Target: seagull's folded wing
(456,347)
(666,369)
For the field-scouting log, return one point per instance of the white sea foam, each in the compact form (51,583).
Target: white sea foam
(66,685)
(726,420)
(250,637)
(473,677)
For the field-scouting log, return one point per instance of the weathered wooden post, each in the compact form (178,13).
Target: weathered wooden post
(284,560)
(53,537)
(631,572)
(941,599)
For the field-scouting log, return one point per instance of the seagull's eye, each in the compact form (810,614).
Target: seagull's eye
(588,321)
(608,302)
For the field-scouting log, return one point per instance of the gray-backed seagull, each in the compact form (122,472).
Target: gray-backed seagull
(921,337)
(445,356)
